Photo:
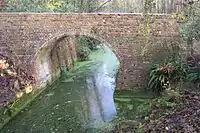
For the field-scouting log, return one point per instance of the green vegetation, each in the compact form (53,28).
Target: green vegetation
(36,103)
(132,105)
(174,108)
(51,6)
(176,69)
(9,112)
(162,76)
(194,70)
(190,24)
(20,104)
(85,45)
(62,106)
(131,6)
(136,109)
(194,76)
(143,111)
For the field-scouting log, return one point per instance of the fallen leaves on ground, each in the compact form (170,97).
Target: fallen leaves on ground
(185,118)
(14,82)
(170,114)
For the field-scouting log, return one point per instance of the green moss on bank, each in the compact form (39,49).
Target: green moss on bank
(6,114)
(61,107)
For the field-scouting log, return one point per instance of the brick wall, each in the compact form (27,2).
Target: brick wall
(24,36)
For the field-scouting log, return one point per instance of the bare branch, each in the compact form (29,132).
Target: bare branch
(102,5)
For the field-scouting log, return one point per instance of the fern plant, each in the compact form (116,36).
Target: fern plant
(159,77)
(180,71)
(171,72)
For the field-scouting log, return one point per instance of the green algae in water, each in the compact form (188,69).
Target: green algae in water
(123,99)
(62,107)
(52,113)
(132,105)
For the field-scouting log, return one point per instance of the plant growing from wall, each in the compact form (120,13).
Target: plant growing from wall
(146,28)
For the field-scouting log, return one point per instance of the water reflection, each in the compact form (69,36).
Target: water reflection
(100,91)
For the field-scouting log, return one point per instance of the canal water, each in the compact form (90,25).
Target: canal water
(81,101)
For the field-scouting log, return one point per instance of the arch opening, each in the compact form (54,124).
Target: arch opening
(53,57)
(61,52)
(94,87)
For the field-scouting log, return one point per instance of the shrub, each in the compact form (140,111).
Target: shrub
(193,69)
(191,26)
(84,47)
(159,77)
(180,69)
(83,50)
(174,70)
(194,77)
(91,43)
(83,53)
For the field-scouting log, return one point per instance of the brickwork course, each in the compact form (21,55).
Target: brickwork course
(28,38)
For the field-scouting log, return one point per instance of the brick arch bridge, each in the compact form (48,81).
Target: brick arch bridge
(29,38)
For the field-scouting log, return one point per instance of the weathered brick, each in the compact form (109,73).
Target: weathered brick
(29,35)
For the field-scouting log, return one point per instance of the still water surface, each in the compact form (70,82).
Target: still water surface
(79,102)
